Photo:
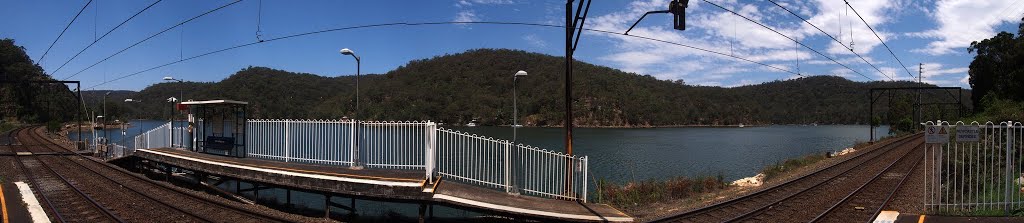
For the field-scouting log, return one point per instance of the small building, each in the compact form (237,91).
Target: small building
(218,126)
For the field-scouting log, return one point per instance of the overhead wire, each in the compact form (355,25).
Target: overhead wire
(791,39)
(830,36)
(433,23)
(154,35)
(65,30)
(103,36)
(879,38)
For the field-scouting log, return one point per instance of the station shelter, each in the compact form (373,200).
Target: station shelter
(218,127)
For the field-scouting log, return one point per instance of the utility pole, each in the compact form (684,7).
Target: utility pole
(921,75)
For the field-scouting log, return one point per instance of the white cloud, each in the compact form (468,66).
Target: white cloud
(467,16)
(936,69)
(966,80)
(463,3)
(714,29)
(964,21)
(535,41)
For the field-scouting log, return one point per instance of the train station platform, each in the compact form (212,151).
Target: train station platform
(14,206)
(895,217)
(402,185)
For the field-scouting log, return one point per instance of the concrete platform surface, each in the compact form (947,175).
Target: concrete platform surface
(13,207)
(377,183)
(499,201)
(916,218)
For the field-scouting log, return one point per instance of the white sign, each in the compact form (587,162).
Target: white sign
(967,133)
(936,134)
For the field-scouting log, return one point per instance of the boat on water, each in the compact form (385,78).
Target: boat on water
(471,123)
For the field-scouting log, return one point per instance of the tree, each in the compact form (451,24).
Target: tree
(998,67)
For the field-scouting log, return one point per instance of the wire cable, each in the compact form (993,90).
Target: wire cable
(829,35)
(101,37)
(791,39)
(65,30)
(154,35)
(879,39)
(431,23)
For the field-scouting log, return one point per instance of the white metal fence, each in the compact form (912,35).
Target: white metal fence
(458,156)
(501,164)
(308,141)
(396,145)
(978,172)
(159,137)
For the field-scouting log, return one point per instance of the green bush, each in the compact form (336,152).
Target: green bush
(651,191)
(53,126)
(778,169)
(999,110)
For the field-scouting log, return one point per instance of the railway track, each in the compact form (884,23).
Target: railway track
(800,199)
(867,201)
(66,202)
(139,199)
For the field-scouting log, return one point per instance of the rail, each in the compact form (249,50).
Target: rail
(409,145)
(978,171)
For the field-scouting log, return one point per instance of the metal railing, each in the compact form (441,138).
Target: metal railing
(457,156)
(978,172)
(501,164)
(396,145)
(308,141)
(159,137)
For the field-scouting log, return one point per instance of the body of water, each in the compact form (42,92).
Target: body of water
(621,155)
(616,154)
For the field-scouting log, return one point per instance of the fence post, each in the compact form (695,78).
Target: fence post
(430,163)
(287,141)
(1009,166)
(508,169)
(585,169)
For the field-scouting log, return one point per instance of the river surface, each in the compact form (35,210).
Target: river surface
(616,154)
(619,154)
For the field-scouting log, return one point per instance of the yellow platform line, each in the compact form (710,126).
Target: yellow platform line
(304,171)
(921,219)
(3,204)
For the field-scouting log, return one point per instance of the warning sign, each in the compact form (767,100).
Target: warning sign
(936,134)
(967,133)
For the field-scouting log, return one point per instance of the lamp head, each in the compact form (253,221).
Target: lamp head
(520,74)
(347,51)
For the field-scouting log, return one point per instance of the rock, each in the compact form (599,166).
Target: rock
(753,181)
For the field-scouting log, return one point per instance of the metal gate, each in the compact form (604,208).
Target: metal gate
(978,172)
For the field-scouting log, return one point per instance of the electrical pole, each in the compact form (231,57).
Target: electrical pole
(920,76)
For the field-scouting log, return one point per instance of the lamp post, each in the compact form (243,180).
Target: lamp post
(124,132)
(96,141)
(515,127)
(106,134)
(515,106)
(355,150)
(181,97)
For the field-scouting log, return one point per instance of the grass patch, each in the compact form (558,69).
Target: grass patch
(7,126)
(651,191)
(773,171)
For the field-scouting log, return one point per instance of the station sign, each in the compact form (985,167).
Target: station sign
(967,133)
(936,134)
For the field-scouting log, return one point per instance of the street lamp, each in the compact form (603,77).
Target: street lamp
(96,141)
(515,127)
(104,122)
(355,151)
(515,106)
(124,130)
(181,97)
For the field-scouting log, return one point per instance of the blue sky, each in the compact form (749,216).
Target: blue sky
(935,33)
